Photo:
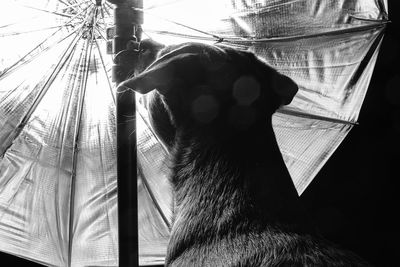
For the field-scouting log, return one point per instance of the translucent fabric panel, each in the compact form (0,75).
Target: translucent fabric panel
(23,85)
(322,137)
(333,72)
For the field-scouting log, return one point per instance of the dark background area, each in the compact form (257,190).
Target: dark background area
(354,199)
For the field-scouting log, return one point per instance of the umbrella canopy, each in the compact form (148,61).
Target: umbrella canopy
(57,110)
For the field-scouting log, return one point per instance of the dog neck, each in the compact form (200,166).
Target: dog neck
(220,188)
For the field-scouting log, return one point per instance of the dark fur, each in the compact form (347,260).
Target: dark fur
(235,203)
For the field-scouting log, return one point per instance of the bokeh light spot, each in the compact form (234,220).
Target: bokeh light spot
(246,90)
(205,108)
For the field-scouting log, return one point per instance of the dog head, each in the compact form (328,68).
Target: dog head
(196,87)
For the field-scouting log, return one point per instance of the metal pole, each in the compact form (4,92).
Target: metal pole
(127,21)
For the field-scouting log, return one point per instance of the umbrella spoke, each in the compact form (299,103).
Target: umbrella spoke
(152,197)
(63,2)
(18,22)
(108,13)
(81,97)
(50,11)
(183,35)
(75,6)
(105,70)
(163,4)
(108,5)
(36,30)
(107,10)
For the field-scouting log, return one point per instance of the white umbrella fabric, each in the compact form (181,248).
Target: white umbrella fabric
(58,193)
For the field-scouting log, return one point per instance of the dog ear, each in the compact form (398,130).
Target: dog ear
(167,73)
(285,88)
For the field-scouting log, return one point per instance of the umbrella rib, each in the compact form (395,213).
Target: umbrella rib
(108,5)
(104,65)
(74,1)
(102,9)
(74,5)
(106,185)
(106,8)
(63,2)
(153,198)
(63,127)
(50,11)
(370,26)
(83,84)
(182,35)
(313,116)
(100,33)
(105,71)
(152,131)
(155,6)
(35,30)
(246,40)
(102,57)
(78,14)
(19,21)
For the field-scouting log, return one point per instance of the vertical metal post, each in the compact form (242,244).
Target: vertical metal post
(127,21)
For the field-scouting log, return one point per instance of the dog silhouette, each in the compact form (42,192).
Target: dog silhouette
(235,203)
